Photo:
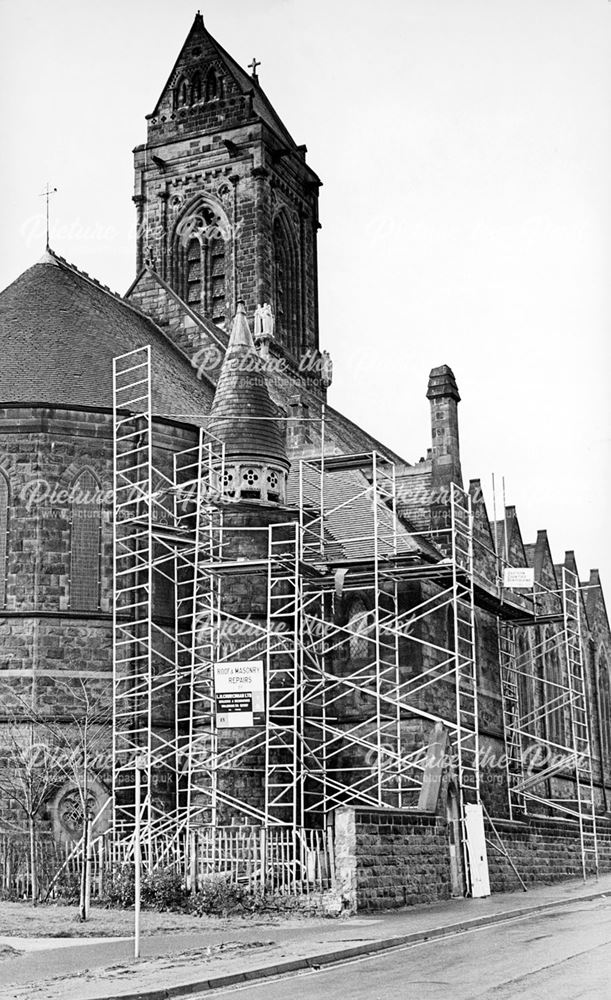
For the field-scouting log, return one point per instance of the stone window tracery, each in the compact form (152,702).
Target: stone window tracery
(199,262)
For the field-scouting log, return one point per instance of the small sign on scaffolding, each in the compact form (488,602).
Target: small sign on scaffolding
(519,576)
(239,694)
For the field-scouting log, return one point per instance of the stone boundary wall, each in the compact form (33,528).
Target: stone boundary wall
(543,851)
(386,860)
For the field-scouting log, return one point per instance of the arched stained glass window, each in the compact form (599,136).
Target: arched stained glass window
(85,543)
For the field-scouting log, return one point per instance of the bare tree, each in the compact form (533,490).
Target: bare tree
(71,748)
(26,779)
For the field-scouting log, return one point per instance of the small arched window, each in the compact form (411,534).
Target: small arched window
(196,88)
(85,543)
(4,508)
(212,86)
(181,93)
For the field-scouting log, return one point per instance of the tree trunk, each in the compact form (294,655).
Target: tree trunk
(33,867)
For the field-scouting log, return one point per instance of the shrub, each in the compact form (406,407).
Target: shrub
(119,886)
(216,895)
(164,890)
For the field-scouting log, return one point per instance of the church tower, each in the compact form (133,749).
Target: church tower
(227,206)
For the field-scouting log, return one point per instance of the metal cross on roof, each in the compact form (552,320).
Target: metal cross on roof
(253,66)
(48,191)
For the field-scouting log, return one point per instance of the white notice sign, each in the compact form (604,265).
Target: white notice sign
(519,576)
(239,694)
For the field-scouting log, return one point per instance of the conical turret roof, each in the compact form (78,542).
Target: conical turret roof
(243,415)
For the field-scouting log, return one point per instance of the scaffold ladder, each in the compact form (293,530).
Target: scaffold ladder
(510,703)
(467,737)
(467,731)
(284,678)
(132,578)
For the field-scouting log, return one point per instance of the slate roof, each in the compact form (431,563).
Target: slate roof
(414,495)
(59,331)
(349,521)
(242,415)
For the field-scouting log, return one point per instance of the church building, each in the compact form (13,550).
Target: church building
(324,666)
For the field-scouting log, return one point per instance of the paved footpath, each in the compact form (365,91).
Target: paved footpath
(179,964)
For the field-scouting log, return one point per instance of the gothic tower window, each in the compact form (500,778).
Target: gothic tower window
(200,259)
(4,507)
(85,543)
(196,88)
(286,284)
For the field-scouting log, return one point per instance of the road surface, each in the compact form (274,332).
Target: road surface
(562,954)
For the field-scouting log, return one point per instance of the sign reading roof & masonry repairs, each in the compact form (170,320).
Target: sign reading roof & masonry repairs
(239,694)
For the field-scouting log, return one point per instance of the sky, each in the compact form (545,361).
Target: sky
(465,152)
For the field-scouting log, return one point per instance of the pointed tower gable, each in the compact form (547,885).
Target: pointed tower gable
(207,88)
(227,207)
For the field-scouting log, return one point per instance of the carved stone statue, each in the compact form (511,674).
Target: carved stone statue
(264,327)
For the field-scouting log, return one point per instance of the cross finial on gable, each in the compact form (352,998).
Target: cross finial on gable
(253,66)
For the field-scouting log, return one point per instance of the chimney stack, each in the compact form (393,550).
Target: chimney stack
(444,397)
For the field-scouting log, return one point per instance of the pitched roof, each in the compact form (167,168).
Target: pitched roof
(243,415)
(59,331)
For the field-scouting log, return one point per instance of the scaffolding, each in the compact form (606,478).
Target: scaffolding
(365,638)
(545,712)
